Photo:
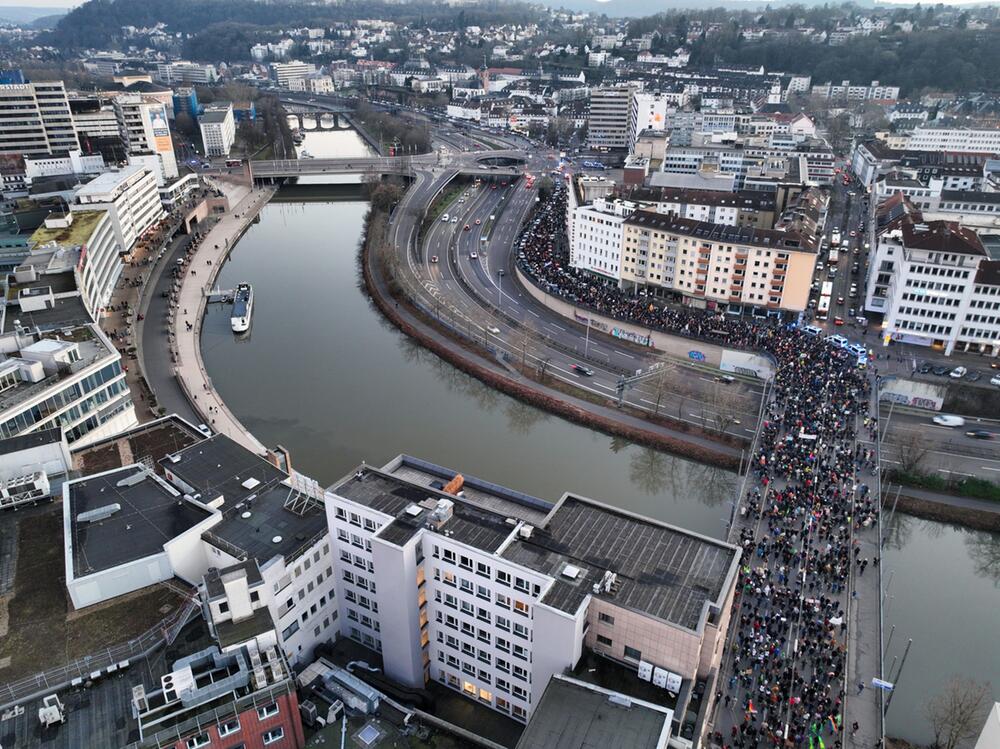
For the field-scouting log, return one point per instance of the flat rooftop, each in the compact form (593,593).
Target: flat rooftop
(65,312)
(663,571)
(470,524)
(108,182)
(153,440)
(484,493)
(151,514)
(574,715)
(74,235)
(249,485)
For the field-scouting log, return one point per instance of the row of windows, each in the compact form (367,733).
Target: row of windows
(233,726)
(925,299)
(484,695)
(935,314)
(59,400)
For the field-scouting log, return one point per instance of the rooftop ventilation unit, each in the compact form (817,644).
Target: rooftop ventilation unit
(525,531)
(413,511)
(250,483)
(132,480)
(571,572)
(443,511)
(98,513)
(620,699)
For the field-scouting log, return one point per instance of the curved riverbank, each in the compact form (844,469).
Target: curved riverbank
(192,299)
(460,354)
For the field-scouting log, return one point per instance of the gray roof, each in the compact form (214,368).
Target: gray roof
(150,515)
(662,571)
(30,440)
(470,524)
(215,579)
(219,467)
(65,312)
(573,715)
(210,116)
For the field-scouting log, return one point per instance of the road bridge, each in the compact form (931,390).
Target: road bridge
(269,171)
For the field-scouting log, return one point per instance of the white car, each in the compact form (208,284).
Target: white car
(957,373)
(947,420)
(494,330)
(995,380)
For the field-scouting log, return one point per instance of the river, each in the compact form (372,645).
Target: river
(324,375)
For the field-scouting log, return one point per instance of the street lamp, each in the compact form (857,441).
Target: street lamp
(500,289)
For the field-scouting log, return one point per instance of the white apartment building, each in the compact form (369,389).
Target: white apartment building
(35,119)
(131,198)
(960,139)
(609,118)
(845,90)
(728,266)
(183,71)
(76,383)
(648,110)
(91,238)
(595,236)
(284,72)
(936,286)
(145,130)
(491,592)
(218,130)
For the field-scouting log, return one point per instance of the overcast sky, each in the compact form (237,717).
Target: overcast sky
(42,3)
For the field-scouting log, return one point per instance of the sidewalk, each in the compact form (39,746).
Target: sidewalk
(189,310)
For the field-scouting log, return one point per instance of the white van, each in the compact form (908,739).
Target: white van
(444,219)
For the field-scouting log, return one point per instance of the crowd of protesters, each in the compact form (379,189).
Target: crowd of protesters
(807,499)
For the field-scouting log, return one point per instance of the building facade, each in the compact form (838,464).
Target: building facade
(936,286)
(218,130)
(35,119)
(461,583)
(131,198)
(78,385)
(608,123)
(145,130)
(716,266)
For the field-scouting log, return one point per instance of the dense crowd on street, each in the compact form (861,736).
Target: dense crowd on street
(786,684)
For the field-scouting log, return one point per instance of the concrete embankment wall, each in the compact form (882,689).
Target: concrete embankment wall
(727,360)
(913,393)
(527,393)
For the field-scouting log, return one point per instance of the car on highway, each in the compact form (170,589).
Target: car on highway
(454,219)
(995,380)
(925,368)
(445,218)
(466,228)
(582,370)
(974,376)
(434,258)
(840,301)
(838,321)
(980,434)
(948,420)
(493,329)
(478,222)
(473,255)
(958,373)
(940,371)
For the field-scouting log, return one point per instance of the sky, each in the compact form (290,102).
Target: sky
(41,3)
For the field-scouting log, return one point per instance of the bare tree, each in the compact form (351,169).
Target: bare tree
(726,403)
(912,449)
(543,368)
(957,714)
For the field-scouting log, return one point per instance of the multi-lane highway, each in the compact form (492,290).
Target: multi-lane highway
(466,277)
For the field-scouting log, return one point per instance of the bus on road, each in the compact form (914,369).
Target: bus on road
(823,308)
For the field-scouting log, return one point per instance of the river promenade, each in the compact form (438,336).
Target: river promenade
(197,281)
